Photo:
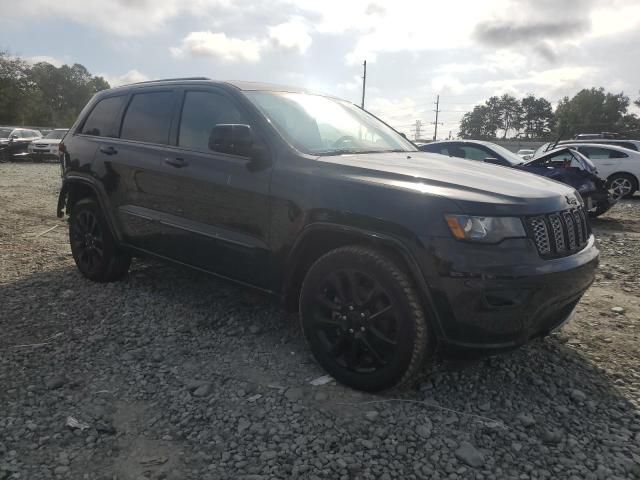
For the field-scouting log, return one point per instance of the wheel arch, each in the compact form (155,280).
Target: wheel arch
(635,178)
(320,238)
(76,188)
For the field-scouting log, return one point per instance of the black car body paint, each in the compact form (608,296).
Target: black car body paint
(254,221)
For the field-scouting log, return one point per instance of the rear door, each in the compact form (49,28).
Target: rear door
(133,166)
(605,159)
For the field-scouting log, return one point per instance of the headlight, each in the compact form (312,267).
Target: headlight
(485,229)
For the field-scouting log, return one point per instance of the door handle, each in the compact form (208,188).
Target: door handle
(176,162)
(108,150)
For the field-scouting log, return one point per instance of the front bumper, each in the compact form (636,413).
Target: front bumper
(499,297)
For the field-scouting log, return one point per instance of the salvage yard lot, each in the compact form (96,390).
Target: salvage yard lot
(179,375)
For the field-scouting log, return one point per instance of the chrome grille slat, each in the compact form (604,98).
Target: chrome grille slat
(559,233)
(540,235)
(578,222)
(571,231)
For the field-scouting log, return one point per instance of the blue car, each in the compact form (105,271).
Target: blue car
(562,164)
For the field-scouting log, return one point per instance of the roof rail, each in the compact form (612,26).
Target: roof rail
(166,80)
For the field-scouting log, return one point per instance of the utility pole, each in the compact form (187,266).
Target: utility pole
(418,126)
(437,110)
(364,82)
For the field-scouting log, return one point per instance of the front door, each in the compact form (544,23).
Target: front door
(217,209)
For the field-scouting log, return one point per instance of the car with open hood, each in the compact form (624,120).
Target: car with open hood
(563,164)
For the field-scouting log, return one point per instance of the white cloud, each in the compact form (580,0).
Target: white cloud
(120,17)
(56,62)
(209,44)
(132,76)
(448,84)
(291,35)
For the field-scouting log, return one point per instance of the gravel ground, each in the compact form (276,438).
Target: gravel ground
(173,374)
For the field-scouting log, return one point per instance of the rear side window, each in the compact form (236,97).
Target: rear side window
(101,122)
(597,153)
(148,118)
(617,154)
(200,113)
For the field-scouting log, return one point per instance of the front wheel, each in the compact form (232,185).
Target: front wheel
(363,320)
(93,247)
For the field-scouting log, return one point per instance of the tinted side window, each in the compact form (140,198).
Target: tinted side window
(474,153)
(101,122)
(596,153)
(617,154)
(200,113)
(148,117)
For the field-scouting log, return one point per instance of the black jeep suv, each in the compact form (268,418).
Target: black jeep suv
(388,253)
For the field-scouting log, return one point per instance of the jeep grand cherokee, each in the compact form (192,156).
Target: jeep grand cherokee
(387,253)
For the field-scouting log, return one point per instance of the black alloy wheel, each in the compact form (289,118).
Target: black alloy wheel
(87,240)
(356,320)
(93,247)
(363,320)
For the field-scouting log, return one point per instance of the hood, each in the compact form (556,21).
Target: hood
(471,184)
(48,141)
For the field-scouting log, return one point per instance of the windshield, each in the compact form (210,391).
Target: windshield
(320,125)
(509,156)
(56,134)
(4,132)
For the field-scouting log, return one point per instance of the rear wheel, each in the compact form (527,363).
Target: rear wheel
(93,247)
(362,319)
(622,185)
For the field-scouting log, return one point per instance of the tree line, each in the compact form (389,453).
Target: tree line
(589,111)
(42,94)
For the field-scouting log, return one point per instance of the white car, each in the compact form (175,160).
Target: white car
(48,146)
(619,166)
(525,153)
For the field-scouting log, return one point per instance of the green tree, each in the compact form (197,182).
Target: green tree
(537,117)
(510,114)
(14,88)
(43,94)
(591,111)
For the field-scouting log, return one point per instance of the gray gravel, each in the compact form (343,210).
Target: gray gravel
(180,376)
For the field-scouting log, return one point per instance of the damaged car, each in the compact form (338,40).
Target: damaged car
(563,164)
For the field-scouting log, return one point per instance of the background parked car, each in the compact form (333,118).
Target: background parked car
(563,165)
(619,166)
(525,153)
(15,141)
(630,144)
(47,147)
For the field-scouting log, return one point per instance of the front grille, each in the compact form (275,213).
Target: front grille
(560,233)
(41,145)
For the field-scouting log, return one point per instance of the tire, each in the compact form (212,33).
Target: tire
(372,337)
(94,249)
(623,185)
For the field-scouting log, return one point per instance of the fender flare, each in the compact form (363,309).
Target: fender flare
(382,239)
(99,193)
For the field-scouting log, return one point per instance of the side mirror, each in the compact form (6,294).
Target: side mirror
(13,137)
(232,138)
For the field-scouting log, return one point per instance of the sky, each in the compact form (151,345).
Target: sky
(463,50)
